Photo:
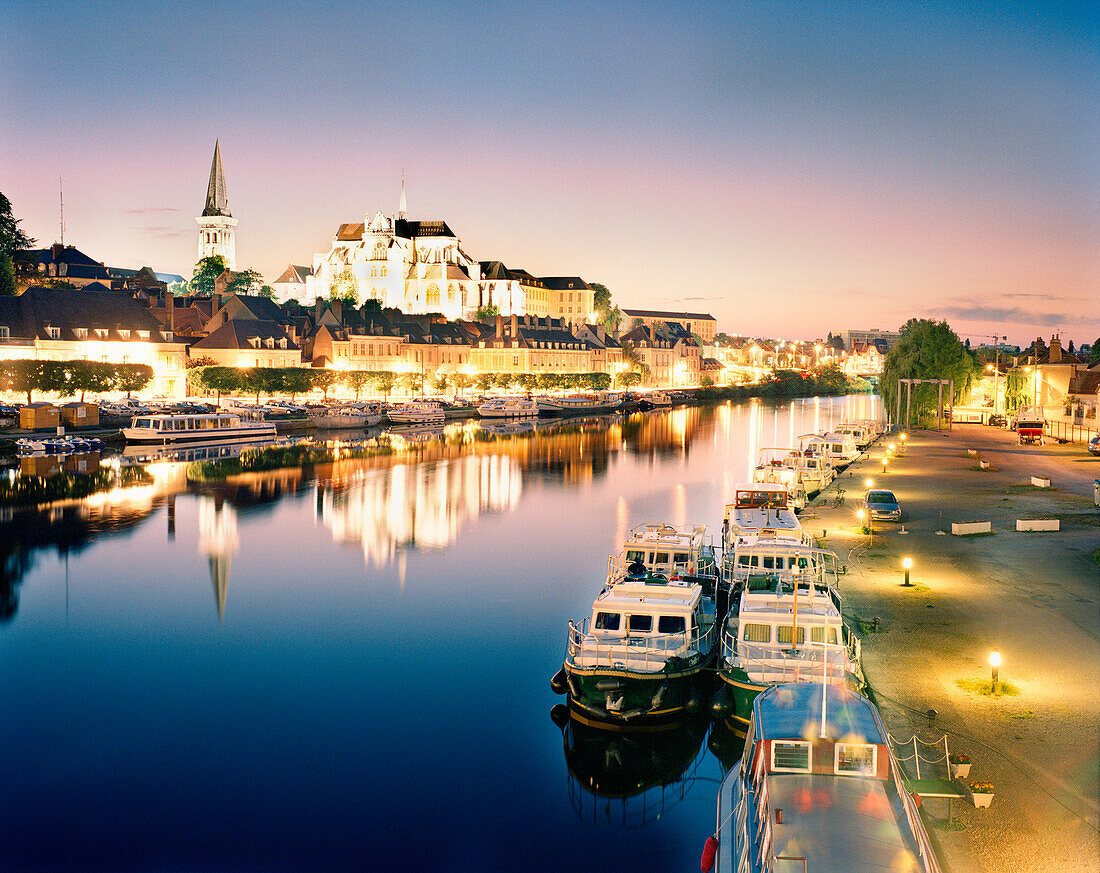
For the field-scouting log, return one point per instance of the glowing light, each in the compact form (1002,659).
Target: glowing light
(995,659)
(907,563)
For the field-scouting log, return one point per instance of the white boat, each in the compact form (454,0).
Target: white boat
(508,407)
(762,509)
(817,788)
(655,400)
(840,448)
(773,467)
(346,417)
(666,551)
(62,445)
(578,404)
(417,412)
(863,432)
(238,426)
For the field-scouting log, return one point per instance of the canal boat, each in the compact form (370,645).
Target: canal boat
(787,627)
(772,467)
(760,508)
(508,407)
(347,417)
(655,400)
(840,448)
(241,425)
(863,432)
(670,551)
(817,788)
(579,404)
(644,654)
(417,412)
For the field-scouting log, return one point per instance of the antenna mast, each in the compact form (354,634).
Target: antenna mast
(61,196)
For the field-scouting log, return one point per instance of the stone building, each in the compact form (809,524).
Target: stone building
(217,226)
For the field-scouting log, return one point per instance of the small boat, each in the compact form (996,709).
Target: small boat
(508,407)
(346,418)
(241,425)
(1030,421)
(817,788)
(762,509)
(682,552)
(773,467)
(643,654)
(61,445)
(787,627)
(417,412)
(457,408)
(655,400)
(578,404)
(863,432)
(840,449)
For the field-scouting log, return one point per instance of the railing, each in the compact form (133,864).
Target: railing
(916,826)
(647,653)
(792,665)
(1069,431)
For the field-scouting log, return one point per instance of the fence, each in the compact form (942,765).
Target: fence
(1068,431)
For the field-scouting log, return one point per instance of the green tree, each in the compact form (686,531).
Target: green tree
(344,288)
(245,282)
(96,376)
(632,357)
(324,379)
(461,381)
(132,377)
(383,382)
(927,350)
(220,380)
(607,314)
(206,271)
(629,379)
(267,291)
(1094,351)
(487,313)
(295,381)
(7,276)
(20,376)
(441,382)
(413,382)
(12,237)
(484,381)
(357,380)
(200,361)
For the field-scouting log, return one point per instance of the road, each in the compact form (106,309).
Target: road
(1032,596)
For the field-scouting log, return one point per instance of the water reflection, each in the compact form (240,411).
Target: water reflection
(218,541)
(629,778)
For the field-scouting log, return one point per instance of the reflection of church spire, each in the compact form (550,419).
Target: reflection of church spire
(218,541)
(402,208)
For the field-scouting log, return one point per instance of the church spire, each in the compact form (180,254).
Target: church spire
(217,197)
(402,209)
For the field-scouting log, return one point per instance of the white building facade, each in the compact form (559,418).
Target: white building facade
(217,226)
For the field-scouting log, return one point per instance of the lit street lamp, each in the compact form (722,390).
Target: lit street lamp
(995,662)
(907,564)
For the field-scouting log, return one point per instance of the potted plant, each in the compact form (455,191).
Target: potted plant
(981,793)
(960,765)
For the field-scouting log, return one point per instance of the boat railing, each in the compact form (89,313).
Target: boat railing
(647,652)
(793,663)
(916,826)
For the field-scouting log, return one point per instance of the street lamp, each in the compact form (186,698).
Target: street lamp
(884,464)
(907,564)
(870,483)
(995,663)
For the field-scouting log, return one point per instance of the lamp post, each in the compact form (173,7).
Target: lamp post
(995,663)
(907,565)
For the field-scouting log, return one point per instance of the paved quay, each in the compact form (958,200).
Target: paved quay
(1032,596)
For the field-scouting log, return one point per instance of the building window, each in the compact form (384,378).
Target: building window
(55,332)
(5,333)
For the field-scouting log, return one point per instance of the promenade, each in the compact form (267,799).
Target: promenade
(1032,596)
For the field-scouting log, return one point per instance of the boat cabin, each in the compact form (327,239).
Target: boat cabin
(167,423)
(666,550)
(756,508)
(760,562)
(840,448)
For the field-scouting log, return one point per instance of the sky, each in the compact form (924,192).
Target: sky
(793,169)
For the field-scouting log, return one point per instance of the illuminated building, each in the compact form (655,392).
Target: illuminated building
(699,323)
(217,226)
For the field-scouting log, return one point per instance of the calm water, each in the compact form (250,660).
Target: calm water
(349,668)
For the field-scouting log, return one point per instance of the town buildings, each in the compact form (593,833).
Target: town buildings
(701,324)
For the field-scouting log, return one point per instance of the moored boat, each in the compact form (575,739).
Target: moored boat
(508,407)
(772,467)
(669,551)
(578,404)
(60,445)
(238,426)
(761,509)
(347,417)
(642,654)
(817,785)
(655,400)
(840,449)
(417,412)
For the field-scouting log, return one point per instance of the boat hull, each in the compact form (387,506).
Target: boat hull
(614,698)
(222,435)
(550,407)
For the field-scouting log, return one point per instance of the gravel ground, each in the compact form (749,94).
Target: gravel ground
(1033,596)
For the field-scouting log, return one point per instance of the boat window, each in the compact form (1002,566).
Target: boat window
(679,558)
(791,757)
(607,620)
(743,560)
(784,634)
(858,758)
(817,635)
(757,633)
(803,563)
(670,624)
(769,562)
(640,623)
(660,558)
(141,422)
(632,556)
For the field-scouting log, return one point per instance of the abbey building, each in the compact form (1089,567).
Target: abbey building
(217,226)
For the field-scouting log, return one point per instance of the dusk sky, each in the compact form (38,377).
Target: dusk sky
(790,168)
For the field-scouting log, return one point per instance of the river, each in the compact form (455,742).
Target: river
(347,666)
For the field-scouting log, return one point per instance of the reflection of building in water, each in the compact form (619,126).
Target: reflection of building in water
(218,541)
(410,505)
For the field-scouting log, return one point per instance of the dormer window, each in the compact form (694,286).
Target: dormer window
(282,343)
(269,343)
(143,334)
(81,332)
(5,333)
(254,341)
(54,332)
(101,332)
(124,333)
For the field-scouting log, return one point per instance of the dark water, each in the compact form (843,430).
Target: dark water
(348,667)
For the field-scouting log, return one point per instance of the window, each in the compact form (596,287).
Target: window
(791,756)
(817,635)
(632,556)
(81,332)
(641,624)
(671,624)
(660,558)
(757,633)
(124,333)
(607,620)
(784,634)
(54,332)
(5,333)
(858,758)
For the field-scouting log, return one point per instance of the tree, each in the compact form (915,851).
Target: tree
(12,237)
(220,380)
(487,313)
(830,379)
(357,380)
(96,376)
(413,383)
(383,382)
(324,379)
(7,276)
(344,288)
(132,377)
(1094,351)
(441,382)
(629,379)
(200,361)
(461,381)
(245,282)
(267,291)
(206,271)
(20,376)
(633,360)
(257,381)
(295,381)
(484,381)
(926,350)
(608,315)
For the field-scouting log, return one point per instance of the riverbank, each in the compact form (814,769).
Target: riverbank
(1032,596)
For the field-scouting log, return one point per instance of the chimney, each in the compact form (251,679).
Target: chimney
(513,331)
(171,305)
(55,250)
(500,326)
(1055,349)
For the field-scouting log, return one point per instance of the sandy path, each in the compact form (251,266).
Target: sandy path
(1035,597)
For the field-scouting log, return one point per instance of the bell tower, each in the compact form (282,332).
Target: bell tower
(217,226)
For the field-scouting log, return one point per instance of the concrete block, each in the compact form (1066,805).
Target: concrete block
(970,527)
(983,464)
(1038,524)
(1040,481)
(972,452)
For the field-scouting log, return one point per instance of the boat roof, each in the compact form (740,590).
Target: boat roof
(630,593)
(761,486)
(658,533)
(855,825)
(187,415)
(793,712)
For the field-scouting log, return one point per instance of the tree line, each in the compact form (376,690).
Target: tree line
(828,380)
(291,381)
(69,378)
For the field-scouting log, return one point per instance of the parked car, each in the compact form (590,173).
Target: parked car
(1094,445)
(997,420)
(882,505)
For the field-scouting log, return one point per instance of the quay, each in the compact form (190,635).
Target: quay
(1032,596)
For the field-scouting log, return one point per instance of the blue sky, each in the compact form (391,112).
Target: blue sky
(792,170)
